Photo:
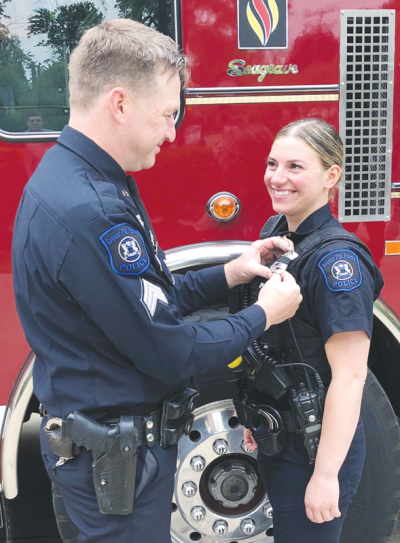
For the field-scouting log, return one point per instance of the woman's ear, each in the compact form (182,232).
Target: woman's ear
(332,176)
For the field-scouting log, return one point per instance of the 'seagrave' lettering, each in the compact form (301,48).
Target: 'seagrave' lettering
(238,67)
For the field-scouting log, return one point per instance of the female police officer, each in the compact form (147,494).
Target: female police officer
(333,325)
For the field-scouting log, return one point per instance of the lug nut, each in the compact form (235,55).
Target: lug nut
(245,448)
(267,510)
(198,463)
(103,482)
(149,424)
(189,489)
(248,526)
(198,513)
(220,527)
(220,446)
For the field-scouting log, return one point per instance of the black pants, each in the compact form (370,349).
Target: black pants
(151,517)
(286,477)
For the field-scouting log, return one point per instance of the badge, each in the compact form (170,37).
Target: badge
(341,270)
(126,250)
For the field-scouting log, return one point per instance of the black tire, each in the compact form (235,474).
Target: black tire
(68,530)
(373,513)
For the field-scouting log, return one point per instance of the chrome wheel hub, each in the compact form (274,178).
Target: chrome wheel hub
(218,493)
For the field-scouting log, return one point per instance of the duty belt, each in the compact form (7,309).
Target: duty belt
(147,428)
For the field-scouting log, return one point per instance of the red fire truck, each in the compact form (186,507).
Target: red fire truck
(256,65)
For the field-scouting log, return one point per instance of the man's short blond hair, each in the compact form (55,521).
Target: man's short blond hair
(122,53)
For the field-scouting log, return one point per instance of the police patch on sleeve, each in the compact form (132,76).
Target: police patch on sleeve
(341,270)
(126,250)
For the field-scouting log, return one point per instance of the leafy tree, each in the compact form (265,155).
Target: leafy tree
(64,26)
(14,86)
(3,28)
(153,13)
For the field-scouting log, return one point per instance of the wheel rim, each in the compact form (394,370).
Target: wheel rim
(218,493)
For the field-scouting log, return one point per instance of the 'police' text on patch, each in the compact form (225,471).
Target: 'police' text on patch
(126,250)
(341,270)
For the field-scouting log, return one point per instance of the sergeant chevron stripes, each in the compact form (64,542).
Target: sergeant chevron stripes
(151,294)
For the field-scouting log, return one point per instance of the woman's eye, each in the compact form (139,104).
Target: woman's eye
(294,166)
(270,163)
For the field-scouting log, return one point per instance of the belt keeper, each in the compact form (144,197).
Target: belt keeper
(149,430)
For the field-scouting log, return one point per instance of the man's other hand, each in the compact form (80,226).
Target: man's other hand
(280,298)
(252,262)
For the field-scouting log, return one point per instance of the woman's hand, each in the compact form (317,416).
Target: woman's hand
(249,441)
(322,498)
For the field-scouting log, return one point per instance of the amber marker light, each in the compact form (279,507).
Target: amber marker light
(223,206)
(392,247)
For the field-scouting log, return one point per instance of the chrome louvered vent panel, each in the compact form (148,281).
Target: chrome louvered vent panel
(366,113)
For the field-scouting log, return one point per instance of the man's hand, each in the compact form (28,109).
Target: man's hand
(252,262)
(322,498)
(280,298)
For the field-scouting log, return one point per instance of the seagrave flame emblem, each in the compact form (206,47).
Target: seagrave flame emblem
(262,24)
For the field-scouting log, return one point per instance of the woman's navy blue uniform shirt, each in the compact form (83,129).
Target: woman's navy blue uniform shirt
(97,303)
(339,283)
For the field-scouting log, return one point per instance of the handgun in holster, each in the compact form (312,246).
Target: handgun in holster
(114,451)
(177,417)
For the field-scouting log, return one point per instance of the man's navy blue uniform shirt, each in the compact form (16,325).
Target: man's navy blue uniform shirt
(97,303)
(339,283)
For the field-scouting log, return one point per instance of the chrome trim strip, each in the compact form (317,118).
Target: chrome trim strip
(21,137)
(283,99)
(2,416)
(388,317)
(205,91)
(12,426)
(204,254)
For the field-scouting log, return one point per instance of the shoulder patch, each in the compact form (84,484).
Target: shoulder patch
(341,270)
(126,250)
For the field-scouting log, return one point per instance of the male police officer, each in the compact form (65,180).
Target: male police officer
(97,302)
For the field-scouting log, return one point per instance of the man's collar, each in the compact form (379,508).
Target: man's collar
(93,154)
(310,224)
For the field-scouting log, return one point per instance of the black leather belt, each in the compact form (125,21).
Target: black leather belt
(148,426)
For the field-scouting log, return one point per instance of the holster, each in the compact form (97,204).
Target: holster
(114,471)
(114,450)
(177,417)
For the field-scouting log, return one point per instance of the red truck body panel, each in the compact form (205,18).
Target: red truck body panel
(218,147)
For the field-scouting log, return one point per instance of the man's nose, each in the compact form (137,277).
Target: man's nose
(170,134)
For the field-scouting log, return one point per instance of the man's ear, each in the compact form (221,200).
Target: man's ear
(118,100)
(332,176)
